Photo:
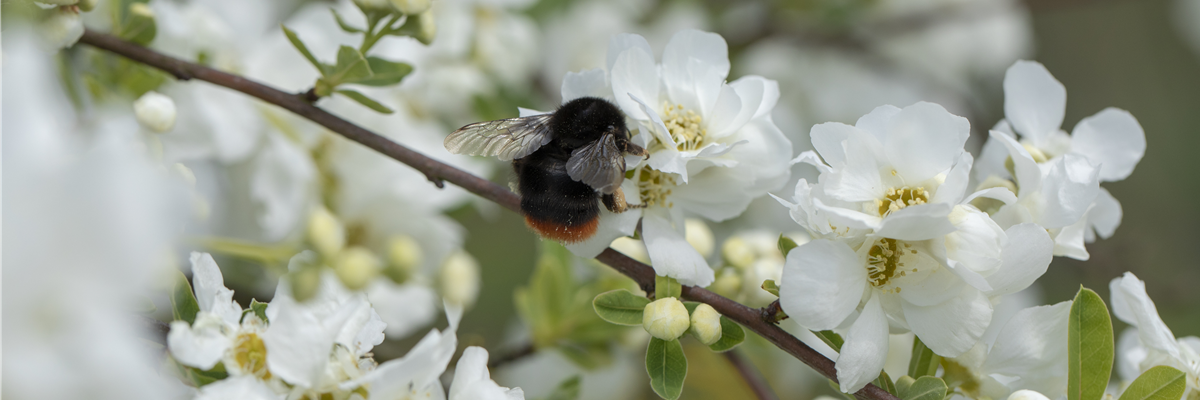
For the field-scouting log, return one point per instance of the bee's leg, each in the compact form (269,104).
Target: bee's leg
(615,202)
(636,150)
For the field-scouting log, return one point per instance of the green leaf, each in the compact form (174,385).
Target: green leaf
(259,309)
(667,367)
(567,390)
(923,361)
(299,45)
(342,23)
(386,73)
(351,67)
(732,335)
(665,287)
(364,100)
(786,244)
(903,383)
(925,388)
(183,302)
(620,307)
(830,338)
(1089,347)
(1158,383)
(771,287)
(587,357)
(885,382)
(137,24)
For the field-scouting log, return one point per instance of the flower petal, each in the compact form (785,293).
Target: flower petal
(728,114)
(237,387)
(1030,346)
(919,222)
(619,43)
(758,93)
(935,288)
(670,254)
(1112,138)
(876,122)
(827,139)
(1026,256)
(1105,214)
(586,83)
(1071,185)
(999,193)
(865,350)
(404,308)
(211,293)
(1028,175)
(1069,240)
(954,326)
(847,217)
(859,178)
(1131,304)
(695,64)
(823,282)
(717,194)
(991,158)
(473,381)
(952,190)
(634,74)
(1034,102)
(201,347)
(924,140)
(297,344)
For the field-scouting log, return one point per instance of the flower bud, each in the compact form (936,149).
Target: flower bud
(63,28)
(304,283)
(738,253)
(460,279)
(155,111)
(404,256)
(706,324)
(728,283)
(373,4)
(1024,394)
(412,7)
(356,266)
(325,232)
(699,236)
(86,5)
(426,27)
(666,318)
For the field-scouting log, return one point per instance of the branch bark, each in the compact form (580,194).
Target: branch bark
(438,172)
(750,374)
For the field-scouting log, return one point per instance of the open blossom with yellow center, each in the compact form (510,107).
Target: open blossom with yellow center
(897,240)
(713,146)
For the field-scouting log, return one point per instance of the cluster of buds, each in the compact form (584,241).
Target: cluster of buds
(668,319)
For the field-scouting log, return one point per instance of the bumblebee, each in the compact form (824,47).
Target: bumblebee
(567,162)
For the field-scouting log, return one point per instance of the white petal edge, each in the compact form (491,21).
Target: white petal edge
(670,254)
(1034,102)
(865,350)
(823,282)
(953,327)
(1112,138)
(1026,257)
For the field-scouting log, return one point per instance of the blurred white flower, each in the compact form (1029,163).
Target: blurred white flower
(1026,354)
(88,218)
(414,376)
(472,381)
(218,325)
(239,387)
(1111,141)
(62,28)
(1149,342)
(713,147)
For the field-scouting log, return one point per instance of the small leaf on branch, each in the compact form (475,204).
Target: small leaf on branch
(925,388)
(903,383)
(667,367)
(771,287)
(923,362)
(732,335)
(665,286)
(567,390)
(786,244)
(364,100)
(620,307)
(830,338)
(137,24)
(351,67)
(342,23)
(385,73)
(1089,347)
(299,45)
(183,303)
(885,382)
(1158,383)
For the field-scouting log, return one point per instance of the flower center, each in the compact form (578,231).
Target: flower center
(654,187)
(251,355)
(897,199)
(884,263)
(685,126)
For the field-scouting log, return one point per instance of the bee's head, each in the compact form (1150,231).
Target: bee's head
(586,119)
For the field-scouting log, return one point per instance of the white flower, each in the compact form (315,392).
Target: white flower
(472,381)
(1111,141)
(713,147)
(666,318)
(414,376)
(63,28)
(1027,395)
(217,325)
(1026,354)
(1153,343)
(238,387)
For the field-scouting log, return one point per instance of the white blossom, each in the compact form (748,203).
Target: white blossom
(472,381)
(1149,342)
(1025,354)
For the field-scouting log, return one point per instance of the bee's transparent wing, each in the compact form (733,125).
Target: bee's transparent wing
(600,165)
(506,138)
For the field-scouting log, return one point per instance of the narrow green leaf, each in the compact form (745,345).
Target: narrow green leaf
(830,338)
(923,361)
(885,382)
(1089,347)
(364,100)
(925,388)
(1158,383)
(342,23)
(732,335)
(351,67)
(183,303)
(665,287)
(771,287)
(567,390)
(786,244)
(299,45)
(620,307)
(386,73)
(667,367)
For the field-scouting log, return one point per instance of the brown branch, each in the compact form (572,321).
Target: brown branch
(750,374)
(525,350)
(437,172)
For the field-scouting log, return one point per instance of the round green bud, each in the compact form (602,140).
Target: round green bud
(304,283)
(412,7)
(404,256)
(460,279)
(738,253)
(706,324)
(699,236)
(325,232)
(356,266)
(666,318)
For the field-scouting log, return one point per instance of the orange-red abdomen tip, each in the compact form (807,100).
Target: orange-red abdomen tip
(564,233)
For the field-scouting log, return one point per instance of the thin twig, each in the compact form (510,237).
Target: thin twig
(506,358)
(750,374)
(436,171)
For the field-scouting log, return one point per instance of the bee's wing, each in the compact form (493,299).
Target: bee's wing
(600,165)
(507,138)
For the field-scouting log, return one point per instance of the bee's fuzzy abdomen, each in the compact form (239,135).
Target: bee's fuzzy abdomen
(564,233)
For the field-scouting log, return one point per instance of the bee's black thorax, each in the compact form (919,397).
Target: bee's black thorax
(585,120)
